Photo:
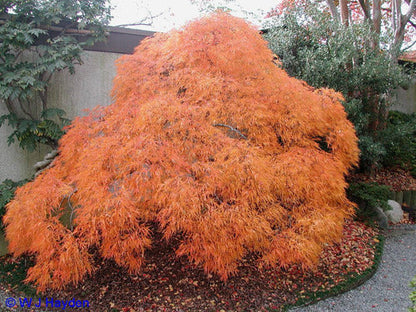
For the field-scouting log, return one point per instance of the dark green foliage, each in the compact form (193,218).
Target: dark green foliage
(7,188)
(372,152)
(13,272)
(368,196)
(324,53)
(37,39)
(399,140)
(30,133)
(412,295)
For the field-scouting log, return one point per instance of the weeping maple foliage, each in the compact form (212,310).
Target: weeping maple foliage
(208,140)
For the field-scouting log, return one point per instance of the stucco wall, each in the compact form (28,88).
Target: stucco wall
(88,87)
(406,99)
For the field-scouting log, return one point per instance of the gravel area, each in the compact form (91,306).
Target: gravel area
(388,290)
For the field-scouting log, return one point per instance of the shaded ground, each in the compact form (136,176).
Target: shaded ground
(398,179)
(173,284)
(388,290)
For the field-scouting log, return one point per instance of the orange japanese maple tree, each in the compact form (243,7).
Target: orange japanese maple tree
(207,139)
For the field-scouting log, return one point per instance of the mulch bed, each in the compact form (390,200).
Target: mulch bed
(168,283)
(398,179)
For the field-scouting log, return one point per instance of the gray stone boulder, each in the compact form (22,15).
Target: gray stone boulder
(381,218)
(395,214)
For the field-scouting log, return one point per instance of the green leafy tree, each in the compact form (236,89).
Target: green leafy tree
(395,18)
(325,53)
(37,39)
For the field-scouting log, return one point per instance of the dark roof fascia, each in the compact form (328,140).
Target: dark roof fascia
(121,40)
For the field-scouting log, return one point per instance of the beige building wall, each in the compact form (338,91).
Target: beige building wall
(406,99)
(88,87)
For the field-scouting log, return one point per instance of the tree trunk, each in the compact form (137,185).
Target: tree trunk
(366,9)
(333,10)
(376,24)
(399,22)
(377,16)
(344,12)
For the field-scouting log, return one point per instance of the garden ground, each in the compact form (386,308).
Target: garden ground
(168,283)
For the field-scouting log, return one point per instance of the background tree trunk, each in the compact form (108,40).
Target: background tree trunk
(345,14)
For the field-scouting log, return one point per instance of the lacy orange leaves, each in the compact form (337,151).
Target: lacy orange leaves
(208,140)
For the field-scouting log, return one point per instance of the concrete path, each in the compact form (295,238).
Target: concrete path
(388,290)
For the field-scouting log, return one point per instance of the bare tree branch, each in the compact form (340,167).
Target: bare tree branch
(146,21)
(9,106)
(366,9)
(408,15)
(410,46)
(25,111)
(17,56)
(401,20)
(135,24)
(44,99)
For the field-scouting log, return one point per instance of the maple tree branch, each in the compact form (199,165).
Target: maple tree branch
(71,217)
(232,129)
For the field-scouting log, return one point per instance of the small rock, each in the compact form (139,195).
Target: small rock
(395,215)
(382,219)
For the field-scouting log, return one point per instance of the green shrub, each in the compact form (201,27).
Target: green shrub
(30,133)
(368,196)
(399,140)
(412,295)
(7,189)
(372,152)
